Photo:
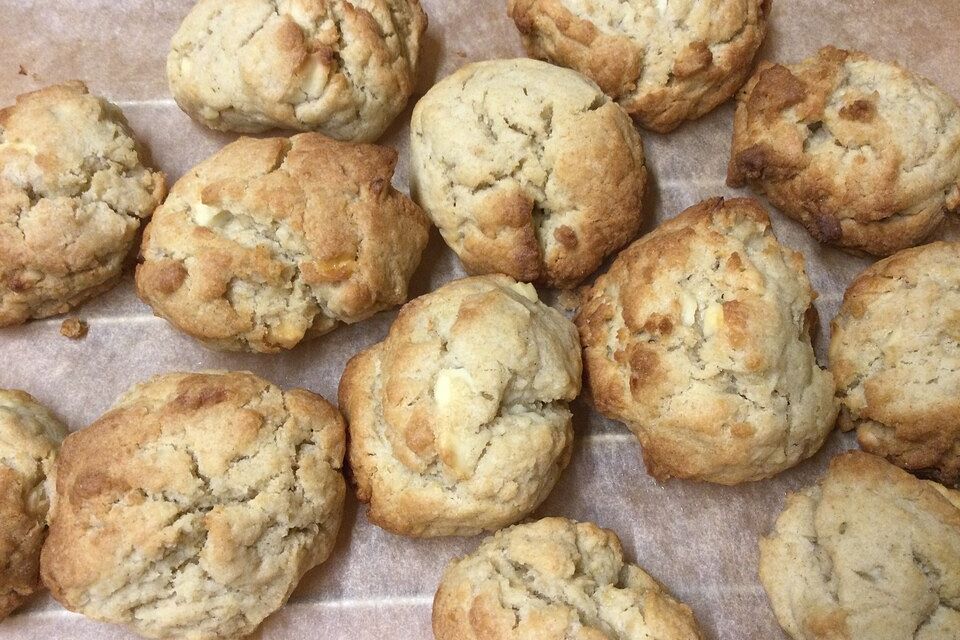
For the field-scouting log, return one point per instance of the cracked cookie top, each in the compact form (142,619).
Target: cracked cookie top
(192,508)
(29,438)
(458,419)
(555,579)
(527,169)
(664,61)
(73,191)
(698,338)
(869,552)
(895,355)
(864,153)
(344,68)
(275,240)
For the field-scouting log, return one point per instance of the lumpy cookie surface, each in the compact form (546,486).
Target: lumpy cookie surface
(555,579)
(868,552)
(344,68)
(697,338)
(664,61)
(275,240)
(74,190)
(528,170)
(459,420)
(193,507)
(29,438)
(862,152)
(895,355)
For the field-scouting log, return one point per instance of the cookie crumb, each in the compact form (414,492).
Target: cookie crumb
(74,328)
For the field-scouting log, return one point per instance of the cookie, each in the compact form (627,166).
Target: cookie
(698,339)
(29,438)
(192,508)
(344,68)
(555,579)
(527,169)
(895,356)
(868,552)
(664,61)
(458,420)
(275,240)
(865,154)
(74,189)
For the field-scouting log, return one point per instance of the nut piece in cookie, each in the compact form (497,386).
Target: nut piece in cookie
(697,338)
(664,61)
(458,420)
(870,552)
(528,170)
(345,68)
(193,507)
(73,192)
(895,356)
(29,438)
(555,579)
(275,240)
(864,153)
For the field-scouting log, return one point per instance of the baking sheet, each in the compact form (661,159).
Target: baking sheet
(698,539)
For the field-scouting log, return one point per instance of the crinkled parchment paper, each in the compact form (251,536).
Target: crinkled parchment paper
(700,540)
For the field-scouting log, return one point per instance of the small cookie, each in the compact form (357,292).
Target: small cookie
(73,191)
(29,438)
(527,169)
(895,356)
(664,61)
(870,552)
(458,419)
(193,507)
(275,240)
(344,68)
(864,153)
(555,579)
(698,338)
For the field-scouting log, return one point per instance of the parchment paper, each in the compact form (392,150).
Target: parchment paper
(699,539)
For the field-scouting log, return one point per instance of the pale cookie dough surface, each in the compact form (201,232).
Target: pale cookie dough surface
(697,338)
(193,507)
(528,170)
(862,152)
(869,553)
(73,192)
(344,68)
(664,61)
(275,240)
(895,355)
(458,419)
(555,579)
(29,438)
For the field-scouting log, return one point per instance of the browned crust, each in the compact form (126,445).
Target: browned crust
(698,81)
(893,355)
(861,192)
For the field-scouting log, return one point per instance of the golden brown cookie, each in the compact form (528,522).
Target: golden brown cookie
(555,579)
(864,153)
(664,61)
(73,192)
(344,68)
(193,507)
(697,338)
(528,170)
(895,356)
(275,240)
(870,552)
(458,420)
(29,438)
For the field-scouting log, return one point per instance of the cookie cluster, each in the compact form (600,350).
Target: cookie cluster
(193,506)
